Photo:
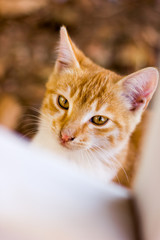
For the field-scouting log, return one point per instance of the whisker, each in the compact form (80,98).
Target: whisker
(113,160)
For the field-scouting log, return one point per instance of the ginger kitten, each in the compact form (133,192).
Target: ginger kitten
(89,114)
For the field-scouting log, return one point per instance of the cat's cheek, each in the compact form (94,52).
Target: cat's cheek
(54,125)
(87,142)
(107,140)
(57,119)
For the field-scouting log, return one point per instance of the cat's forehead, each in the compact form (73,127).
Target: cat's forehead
(89,87)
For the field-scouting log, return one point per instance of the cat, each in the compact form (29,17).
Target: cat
(89,114)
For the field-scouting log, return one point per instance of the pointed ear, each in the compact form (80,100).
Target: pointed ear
(66,55)
(139,87)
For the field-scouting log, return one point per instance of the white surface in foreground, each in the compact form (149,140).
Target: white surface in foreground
(147,189)
(41,197)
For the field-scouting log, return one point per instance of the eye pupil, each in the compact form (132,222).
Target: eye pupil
(100,118)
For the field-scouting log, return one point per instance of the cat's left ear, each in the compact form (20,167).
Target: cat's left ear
(139,87)
(66,52)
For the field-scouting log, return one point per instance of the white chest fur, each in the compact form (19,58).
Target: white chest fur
(91,164)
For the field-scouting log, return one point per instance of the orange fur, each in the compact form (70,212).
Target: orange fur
(92,90)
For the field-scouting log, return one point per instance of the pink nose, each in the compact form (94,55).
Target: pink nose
(65,138)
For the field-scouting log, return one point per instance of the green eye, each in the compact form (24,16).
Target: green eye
(99,120)
(63,102)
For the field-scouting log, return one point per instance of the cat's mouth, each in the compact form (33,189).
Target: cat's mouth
(71,146)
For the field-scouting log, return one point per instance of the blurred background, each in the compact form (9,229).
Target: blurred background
(122,35)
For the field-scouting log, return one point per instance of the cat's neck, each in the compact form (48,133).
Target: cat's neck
(133,151)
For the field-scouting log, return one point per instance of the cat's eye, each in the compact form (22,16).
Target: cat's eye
(63,102)
(99,120)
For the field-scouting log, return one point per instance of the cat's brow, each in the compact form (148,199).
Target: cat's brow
(98,108)
(92,87)
(68,91)
(75,94)
(94,110)
(94,105)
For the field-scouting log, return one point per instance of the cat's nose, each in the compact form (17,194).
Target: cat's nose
(66,138)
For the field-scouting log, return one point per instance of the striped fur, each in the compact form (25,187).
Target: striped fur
(102,151)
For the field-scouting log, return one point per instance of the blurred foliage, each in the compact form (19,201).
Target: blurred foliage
(121,35)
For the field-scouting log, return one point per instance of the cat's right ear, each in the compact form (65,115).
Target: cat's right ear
(66,54)
(139,87)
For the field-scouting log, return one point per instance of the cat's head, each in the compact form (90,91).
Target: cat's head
(90,107)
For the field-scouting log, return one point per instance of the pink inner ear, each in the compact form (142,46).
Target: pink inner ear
(61,65)
(141,96)
(66,56)
(139,87)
